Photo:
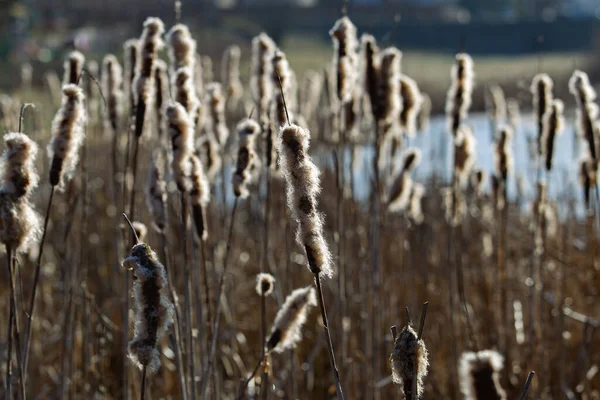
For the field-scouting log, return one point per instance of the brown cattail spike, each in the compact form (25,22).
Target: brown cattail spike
(409,360)
(247,131)
(73,67)
(458,100)
(587,111)
(553,125)
(411,105)
(156,191)
(541,89)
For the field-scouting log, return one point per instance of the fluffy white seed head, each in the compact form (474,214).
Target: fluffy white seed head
(73,67)
(458,100)
(408,359)
(264,284)
(479,375)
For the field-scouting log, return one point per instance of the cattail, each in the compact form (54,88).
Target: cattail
(185,92)
(26,76)
(496,104)
(17,168)
(350,114)
(587,176)
(411,105)
(424,113)
(390,102)
(458,100)
(345,60)
(230,76)
(67,135)
(478,180)
(553,126)
(464,153)
(401,189)
(210,154)
(261,85)
(281,71)
(140,230)
(409,360)
(415,209)
(248,129)
(182,48)
(73,66)
(156,191)
(181,132)
(513,113)
(264,284)
(208,75)
(287,328)
(130,48)
(143,82)
(153,309)
(503,157)
(161,80)
(216,106)
(541,89)
(19,223)
(587,112)
(480,375)
(370,71)
(200,196)
(112,77)
(303,187)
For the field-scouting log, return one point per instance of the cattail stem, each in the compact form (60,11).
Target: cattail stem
(215,322)
(206,287)
(11,318)
(247,381)
(336,376)
(527,385)
(36,279)
(14,311)
(143,389)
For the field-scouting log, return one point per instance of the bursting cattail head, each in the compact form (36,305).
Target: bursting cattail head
(580,87)
(553,125)
(67,135)
(281,71)
(149,44)
(156,191)
(140,230)
(409,360)
(480,375)
(415,208)
(217,125)
(458,100)
(181,132)
(389,100)
(496,104)
(73,67)
(17,166)
(587,111)
(182,48)
(541,89)
(210,155)
(185,92)
(130,49)
(399,195)
(248,130)
(287,328)
(303,188)
(153,309)
(112,79)
(261,83)
(200,196)
(264,284)
(345,45)
(411,105)
(464,153)
(161,80)
(370,71)
(503,157)
(587,175)
(19,222)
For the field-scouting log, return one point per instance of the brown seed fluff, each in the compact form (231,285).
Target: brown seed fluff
(587,111)
(464,153)
(185,92)
(73,66)
(411,105)
(248,130)
(153,309)
(389,101)
(399,194)
(130,48)
(287,328)
(503,157)
(458,100)
(216,125)
(149,44)
(587,175)
(112,79)
(370,72)
(156,191)
(264,284)
(409,356)
(200,196)
(553,126)
(261,82)
(541,89)
(161,80)
(303,188)
(181,132)
(182,48)
(67,135)
(345,58)
(480,375)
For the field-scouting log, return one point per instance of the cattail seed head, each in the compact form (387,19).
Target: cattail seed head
(17,166)
(217,125)
(153,309)
(458,100)
(112,79)
(130,48)
(67,135)
(587,111)
(210,154)
(400,192)
(200,196)
(73,67)
(541,89)
(140,230)
(478,180)
(303,188)
(264,284)
(185,92)
(182,48)
(261,86)
(464,153)
(370,71)
(587,175)
(503,153)
(248,130)
(553,125)
(281,72)
(345,59)
(161,79)
(390,102)
(287,328)
(156,191)
(19,222)
(409,360)
(181,132)
(411,105)
(480,375)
